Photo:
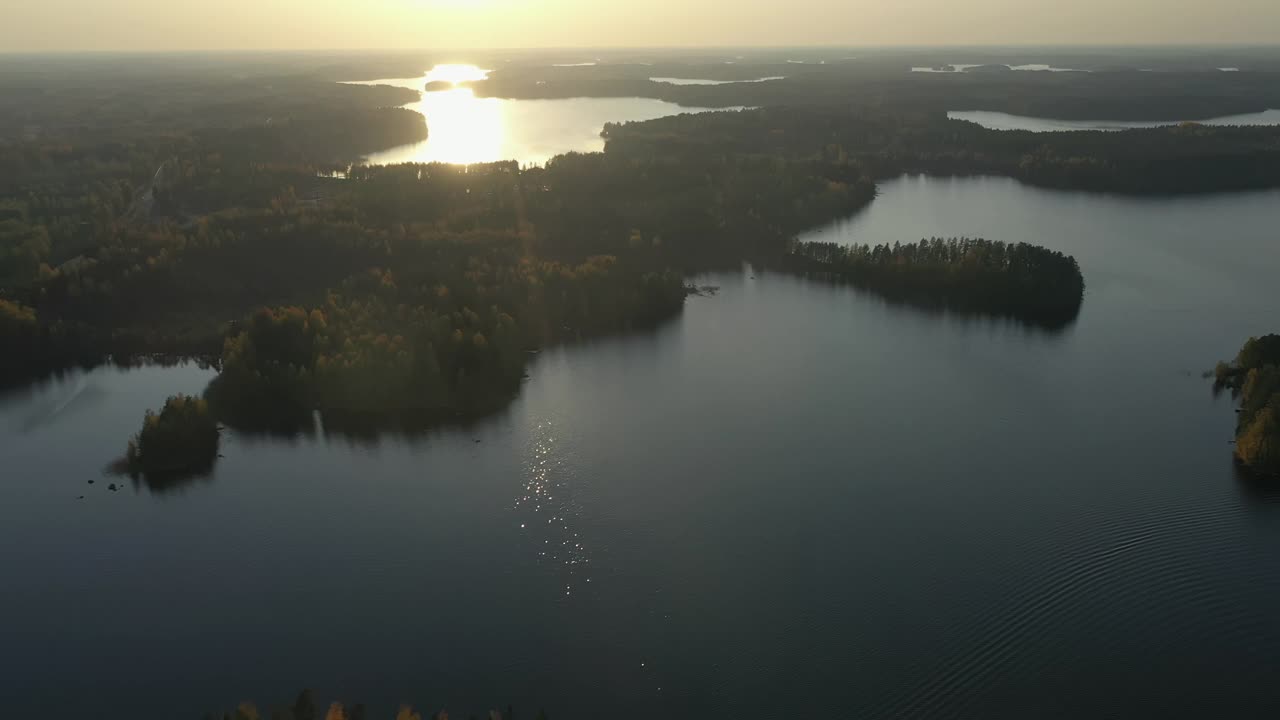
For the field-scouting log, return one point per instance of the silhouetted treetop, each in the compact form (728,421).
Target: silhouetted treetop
(1020,280)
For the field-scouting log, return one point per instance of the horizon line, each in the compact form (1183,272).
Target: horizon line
(649,48)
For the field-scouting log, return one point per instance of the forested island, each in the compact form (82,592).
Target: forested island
(1254,376)
(1017,280)
(181,439)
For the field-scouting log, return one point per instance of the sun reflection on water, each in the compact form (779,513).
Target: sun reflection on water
(463,128)
(466,129)
(453,73)
(548,515)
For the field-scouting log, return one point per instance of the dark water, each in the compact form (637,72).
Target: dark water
(793,501)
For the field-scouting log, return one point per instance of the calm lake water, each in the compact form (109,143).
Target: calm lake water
(700,81)
(468,129)
(795,500)
(965,67)
(1005,121)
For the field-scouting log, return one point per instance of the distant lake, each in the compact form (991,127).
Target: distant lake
(465,129)
(696,81)
(1005,121)
(794,500)
(1028,67)
(965,67)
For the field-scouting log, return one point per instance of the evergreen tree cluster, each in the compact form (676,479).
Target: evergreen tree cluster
(1015,279)
(181,438)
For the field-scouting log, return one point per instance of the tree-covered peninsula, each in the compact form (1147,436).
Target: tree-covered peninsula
(410,342)
(1255,377)
(421,287)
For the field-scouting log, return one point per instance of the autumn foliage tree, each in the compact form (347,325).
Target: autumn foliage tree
(1255,377)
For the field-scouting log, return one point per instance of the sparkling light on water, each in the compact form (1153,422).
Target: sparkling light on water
(547,513)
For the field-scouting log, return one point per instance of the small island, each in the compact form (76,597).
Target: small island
(181,439)
(1018,280)
(439,86)
(1254,377)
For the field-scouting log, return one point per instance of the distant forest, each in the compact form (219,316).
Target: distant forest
(1190,158)
(1112,85)
(205,218)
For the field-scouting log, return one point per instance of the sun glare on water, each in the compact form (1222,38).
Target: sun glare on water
(465,129)
(462,128)
(455,74)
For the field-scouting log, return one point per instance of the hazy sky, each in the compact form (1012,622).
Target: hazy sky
(315,24)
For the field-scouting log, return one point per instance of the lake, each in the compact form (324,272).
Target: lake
(699,81)
(794,500)
(467,129)
(965,67)
(1005,121)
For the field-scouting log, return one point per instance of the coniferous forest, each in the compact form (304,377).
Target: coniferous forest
(866,400)
(1018,280)
(420,290)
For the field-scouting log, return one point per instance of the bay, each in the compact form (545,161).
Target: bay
(793,499)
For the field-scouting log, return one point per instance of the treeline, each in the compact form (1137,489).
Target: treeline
(1118,90)
(64,203)
(1014,279)
(1254,377)
(22,337)
(33,348)
(407,343)
(170,258)
(887,142)
(84,101)
(335,138)
(305,708)
(420,289)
